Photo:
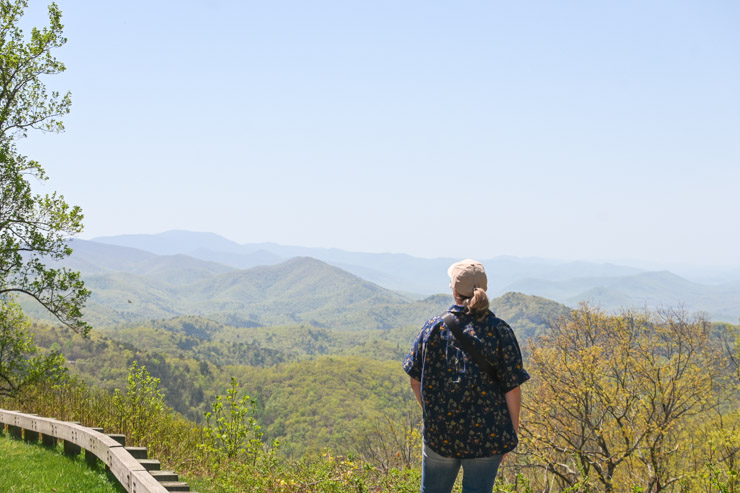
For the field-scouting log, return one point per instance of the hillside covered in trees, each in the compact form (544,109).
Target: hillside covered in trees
(194,357)
(612,398)
(317,351)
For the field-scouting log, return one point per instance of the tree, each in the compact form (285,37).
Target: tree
(33,228)
(391,441)
(141,408)
(24,102)
(231,429)
(618,398)
(20,364)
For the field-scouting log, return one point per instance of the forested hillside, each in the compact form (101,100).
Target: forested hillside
(301,290)
(711,290)
(317,350)
(317,389)
(194,357)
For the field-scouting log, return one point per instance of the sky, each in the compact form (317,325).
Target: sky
(605,131)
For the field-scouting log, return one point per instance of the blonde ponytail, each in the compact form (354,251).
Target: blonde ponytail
(478,304)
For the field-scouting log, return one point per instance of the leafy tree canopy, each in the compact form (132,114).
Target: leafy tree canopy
(20,363)
(33,227)
(617,396)
(24,102)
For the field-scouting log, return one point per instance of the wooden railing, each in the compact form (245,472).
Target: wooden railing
(130,465)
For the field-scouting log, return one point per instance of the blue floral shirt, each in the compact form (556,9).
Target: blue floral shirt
(465,412)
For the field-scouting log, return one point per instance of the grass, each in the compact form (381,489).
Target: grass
(32,468)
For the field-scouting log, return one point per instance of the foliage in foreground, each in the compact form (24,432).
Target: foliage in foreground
(228,454)
(629,402)
(645,400)
(21,365)
(33,228)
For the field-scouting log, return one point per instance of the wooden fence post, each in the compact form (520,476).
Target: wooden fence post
(31,435)
(90,457)
(15,431)
(119,438)
(70,448)
(48,439)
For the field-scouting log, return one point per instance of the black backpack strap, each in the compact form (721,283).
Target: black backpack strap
(451,323)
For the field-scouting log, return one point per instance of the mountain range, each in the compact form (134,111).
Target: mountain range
(136,277)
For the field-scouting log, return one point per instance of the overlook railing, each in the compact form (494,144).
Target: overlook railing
(130,465)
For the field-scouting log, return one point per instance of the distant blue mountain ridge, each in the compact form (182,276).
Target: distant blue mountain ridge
(607,285)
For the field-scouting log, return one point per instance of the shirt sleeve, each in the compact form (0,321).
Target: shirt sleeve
(413,363)
(509,365)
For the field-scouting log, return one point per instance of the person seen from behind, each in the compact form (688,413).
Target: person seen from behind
(470,402)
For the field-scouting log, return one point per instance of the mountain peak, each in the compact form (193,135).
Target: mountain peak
(173,242)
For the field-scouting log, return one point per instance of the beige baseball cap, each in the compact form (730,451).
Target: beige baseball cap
(466,275)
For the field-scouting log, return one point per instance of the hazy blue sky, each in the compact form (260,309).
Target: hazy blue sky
(562,129)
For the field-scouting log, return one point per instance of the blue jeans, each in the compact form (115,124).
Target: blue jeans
(438,473)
